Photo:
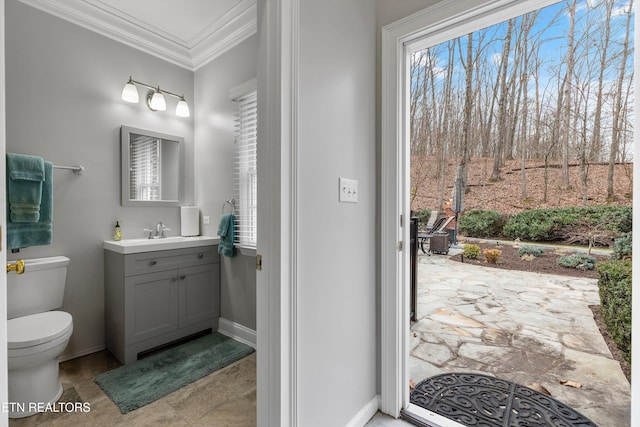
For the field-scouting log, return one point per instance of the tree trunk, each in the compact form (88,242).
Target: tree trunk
(468,105)
(502,104)
(617,111)
(566,131)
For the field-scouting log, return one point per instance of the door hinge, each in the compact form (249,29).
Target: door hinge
(401,221)
(259,262)
(399,246)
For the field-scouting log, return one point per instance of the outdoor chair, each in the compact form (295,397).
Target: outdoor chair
(436,232)
(431,222)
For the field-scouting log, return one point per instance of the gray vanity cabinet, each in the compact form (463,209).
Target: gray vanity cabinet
(154,298)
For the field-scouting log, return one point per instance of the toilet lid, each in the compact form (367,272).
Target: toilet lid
(35,329)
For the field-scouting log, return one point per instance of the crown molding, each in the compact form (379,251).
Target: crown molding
(238,28)
(240,23)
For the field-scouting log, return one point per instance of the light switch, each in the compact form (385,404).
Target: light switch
(347,190)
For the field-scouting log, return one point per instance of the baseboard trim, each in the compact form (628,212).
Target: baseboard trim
(237,331)
(366,413)
(64,357)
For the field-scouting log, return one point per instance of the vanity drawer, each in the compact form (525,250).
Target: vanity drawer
(150,262)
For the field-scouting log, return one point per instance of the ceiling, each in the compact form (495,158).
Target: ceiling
(188,33)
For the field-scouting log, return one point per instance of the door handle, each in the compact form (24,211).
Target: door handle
(18,266)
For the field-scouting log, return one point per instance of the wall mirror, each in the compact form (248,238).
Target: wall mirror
(151,167)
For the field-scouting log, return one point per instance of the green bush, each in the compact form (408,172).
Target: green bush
(579,261)
(615,302)
(550,224)
(471,251)
(622,247)
(481,223)
(530,250)
(423,216)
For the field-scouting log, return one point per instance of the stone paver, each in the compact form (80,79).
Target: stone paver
(520,326)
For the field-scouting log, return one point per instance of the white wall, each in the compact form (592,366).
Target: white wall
(214,168)
(336,241)
(63,86)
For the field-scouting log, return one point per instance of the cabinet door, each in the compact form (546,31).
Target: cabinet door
(199,289)
(151,305)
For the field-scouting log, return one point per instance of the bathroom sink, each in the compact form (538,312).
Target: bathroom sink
(134,246)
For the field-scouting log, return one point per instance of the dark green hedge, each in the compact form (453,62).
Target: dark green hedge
(549,224)
(622,246)
(615,302)
(481,223)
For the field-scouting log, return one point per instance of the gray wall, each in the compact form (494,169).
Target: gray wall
(336,244)
(63,86)
(214,168)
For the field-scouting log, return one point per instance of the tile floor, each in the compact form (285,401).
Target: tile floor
(225,398)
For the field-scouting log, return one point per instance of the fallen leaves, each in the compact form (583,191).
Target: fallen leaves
(539,388)
(571,384)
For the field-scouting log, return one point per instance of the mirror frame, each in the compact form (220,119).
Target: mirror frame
(125,141)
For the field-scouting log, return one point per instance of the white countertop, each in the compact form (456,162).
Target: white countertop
(134,246)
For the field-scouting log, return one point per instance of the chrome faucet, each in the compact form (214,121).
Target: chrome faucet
(158,233)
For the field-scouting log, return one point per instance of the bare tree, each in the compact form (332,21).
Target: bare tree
(567,95)
(618,113)
(502,103)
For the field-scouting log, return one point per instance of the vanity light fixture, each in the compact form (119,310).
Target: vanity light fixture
(155,98)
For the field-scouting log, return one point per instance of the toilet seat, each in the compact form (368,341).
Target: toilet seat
(36,329)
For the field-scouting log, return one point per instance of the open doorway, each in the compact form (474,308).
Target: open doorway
(439,24)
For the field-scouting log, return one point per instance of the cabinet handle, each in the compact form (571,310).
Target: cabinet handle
(174,278)
(153,262)
(200,256)
(182,276)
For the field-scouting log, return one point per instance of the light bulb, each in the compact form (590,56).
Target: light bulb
(130,92)
(182,109)
(157,102)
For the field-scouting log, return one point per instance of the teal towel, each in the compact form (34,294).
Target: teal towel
(25,175)
(226,231)
(21,234)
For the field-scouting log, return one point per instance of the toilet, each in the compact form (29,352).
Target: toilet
(36,334)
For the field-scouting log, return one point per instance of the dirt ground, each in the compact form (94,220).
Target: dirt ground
(546,263)
(506,195)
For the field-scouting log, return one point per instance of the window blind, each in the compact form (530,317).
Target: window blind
(246,176)
(144,176)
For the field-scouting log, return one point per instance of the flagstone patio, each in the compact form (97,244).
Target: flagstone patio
(533,329)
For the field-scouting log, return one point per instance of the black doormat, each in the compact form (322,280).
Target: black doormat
(481,400)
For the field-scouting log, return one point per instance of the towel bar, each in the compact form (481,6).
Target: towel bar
(78,170)
(231,202)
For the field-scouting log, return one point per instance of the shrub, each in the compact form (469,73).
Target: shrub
(492,256)
(551,224)
(471,251)
(481,223)
(622,247)
(530,250)
(579,261)
(615,302)
(423,216)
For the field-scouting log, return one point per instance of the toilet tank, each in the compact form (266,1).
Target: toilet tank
(40,288)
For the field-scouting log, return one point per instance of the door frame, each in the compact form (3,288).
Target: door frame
(276,280)
(4,396)
(445,20)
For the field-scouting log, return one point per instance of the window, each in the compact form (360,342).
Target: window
(145,168)
(246,170)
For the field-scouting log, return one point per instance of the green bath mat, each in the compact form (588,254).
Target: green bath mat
(140,383)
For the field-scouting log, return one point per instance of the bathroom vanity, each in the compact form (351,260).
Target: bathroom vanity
(158,291)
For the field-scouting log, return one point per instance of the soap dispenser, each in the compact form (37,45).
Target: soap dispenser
(117,233)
